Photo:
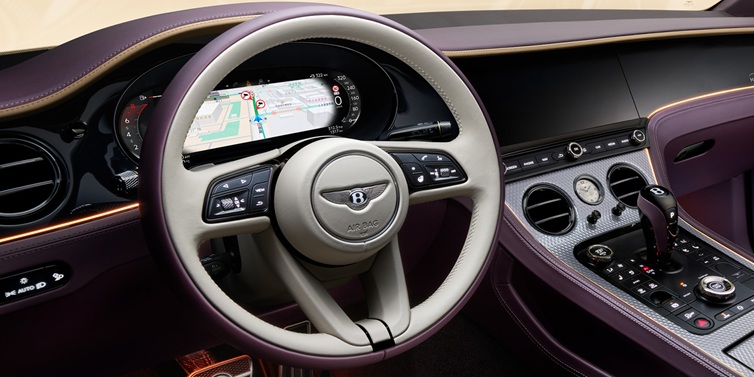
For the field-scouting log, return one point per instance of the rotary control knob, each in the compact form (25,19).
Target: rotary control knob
(638,137)
(716,289)
(600,255)
(574,150)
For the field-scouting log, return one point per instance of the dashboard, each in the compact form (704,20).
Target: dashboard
(578,139)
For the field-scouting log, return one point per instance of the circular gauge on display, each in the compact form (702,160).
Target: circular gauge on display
(134,120)
(588,189)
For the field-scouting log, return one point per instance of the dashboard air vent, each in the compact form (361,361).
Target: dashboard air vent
(549,210)
(30,179)
(625,183)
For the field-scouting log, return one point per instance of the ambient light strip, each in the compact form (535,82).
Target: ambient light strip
(70,223)
(703,96)
(595,42)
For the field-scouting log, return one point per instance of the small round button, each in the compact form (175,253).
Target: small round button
(716,289)
(600,254)
(638,137)
(574,150)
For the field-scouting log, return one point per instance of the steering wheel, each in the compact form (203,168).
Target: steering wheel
(335,201)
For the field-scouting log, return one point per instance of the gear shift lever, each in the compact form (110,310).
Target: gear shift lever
(659,219)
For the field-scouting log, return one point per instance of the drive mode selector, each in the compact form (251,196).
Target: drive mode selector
(599,255)
(339,201)
(716,289)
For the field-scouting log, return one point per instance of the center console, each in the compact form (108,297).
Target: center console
(590,215)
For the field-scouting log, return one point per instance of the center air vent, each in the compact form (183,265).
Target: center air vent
(625,183)
(30,179)
(549,210)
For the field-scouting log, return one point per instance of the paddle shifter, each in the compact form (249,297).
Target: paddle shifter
(659,219)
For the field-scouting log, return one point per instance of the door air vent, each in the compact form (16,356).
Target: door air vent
(625,183)
(549,210)
(30,180)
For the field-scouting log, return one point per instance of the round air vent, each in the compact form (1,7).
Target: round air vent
(30,179)
(625,183)
(549,210)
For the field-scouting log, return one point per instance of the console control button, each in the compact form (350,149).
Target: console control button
(739,308)
(613,268)
(638,137)
(673,304)
(529,163)
(512,167)
(557,156)
(595,148)
(702,323)
(545,160)
(611,144)
(600,255)
(634,280)
(716,289)
(724,315)
(574,150)
(689,314)
(710,260)
(624,141)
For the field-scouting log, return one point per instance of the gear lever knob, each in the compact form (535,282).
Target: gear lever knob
(659,219)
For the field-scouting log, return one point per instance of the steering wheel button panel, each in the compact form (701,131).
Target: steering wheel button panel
(429,170)
(240,195)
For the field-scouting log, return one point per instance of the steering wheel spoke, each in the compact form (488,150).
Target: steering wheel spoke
(309,293)
(384,285)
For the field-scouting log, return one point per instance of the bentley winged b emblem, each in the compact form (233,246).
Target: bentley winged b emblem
(355,198)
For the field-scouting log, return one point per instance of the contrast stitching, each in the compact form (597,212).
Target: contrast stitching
(142,40)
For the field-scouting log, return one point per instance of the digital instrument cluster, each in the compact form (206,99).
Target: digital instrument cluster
(268,101)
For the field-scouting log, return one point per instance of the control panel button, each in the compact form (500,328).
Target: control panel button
(232,184)
(624,141)
(611,144)
(738,308)
(512,167)
(689,314)
(638,137)
(419,179)
(260,189)
(431,157)
(595,148)
(574,150)
(673,304)
(702,323)
(600,255)
(33,282)
(435,169)
(557,156)
(229,204)
(545,160)
(724,315)
(529,163)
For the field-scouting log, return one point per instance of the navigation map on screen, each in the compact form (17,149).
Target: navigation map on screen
(255,112)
